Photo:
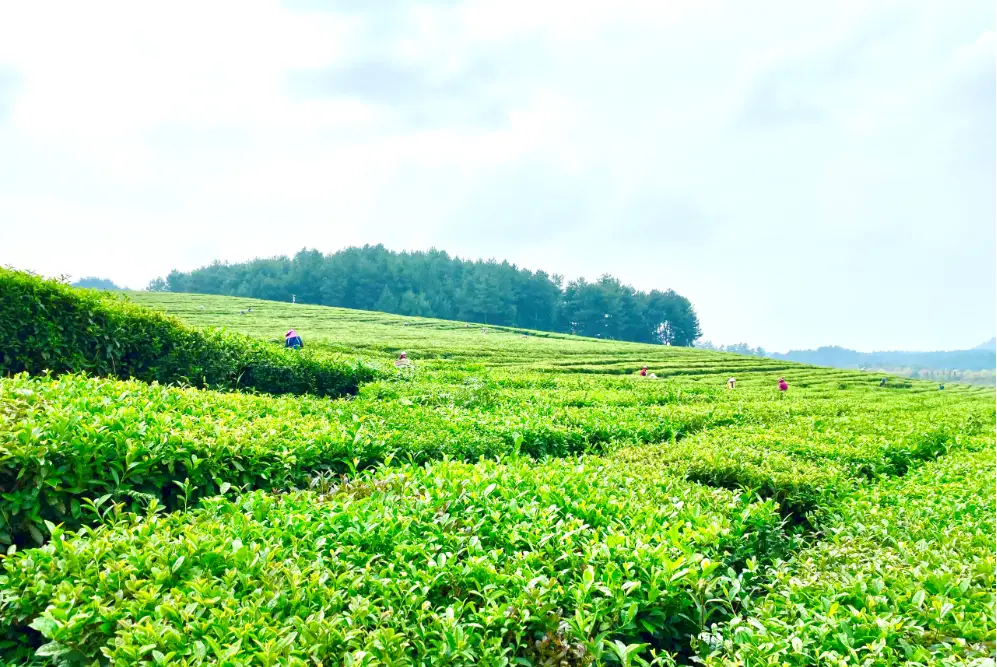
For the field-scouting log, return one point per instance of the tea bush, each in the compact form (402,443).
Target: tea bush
(507,500)
(903,576)
(48,326)
(806,462)
(449,563)
(68,440)
(75,439)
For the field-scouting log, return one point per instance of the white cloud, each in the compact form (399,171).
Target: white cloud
(806,174)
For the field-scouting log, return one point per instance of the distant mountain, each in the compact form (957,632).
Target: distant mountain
(989,345)
(976,365)
(92,282)
(967,360)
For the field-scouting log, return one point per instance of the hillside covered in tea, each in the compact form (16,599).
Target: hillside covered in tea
(508,498)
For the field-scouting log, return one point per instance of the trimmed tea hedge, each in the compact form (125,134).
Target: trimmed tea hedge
(73,439)
(569,562)
(837,524)
(48,326)
(904,576)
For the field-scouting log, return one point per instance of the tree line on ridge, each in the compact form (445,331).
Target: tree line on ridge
(434,284)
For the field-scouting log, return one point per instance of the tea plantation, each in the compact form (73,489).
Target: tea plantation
(512,498)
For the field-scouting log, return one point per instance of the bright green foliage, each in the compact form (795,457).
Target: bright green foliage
(806,461)
(451,343)
(75,440)
(507,498)
(48,326)
(903,576)
(450,563)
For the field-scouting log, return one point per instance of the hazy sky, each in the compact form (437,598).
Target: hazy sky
(806,173)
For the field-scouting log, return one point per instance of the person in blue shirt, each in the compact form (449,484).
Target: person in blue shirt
(293,340)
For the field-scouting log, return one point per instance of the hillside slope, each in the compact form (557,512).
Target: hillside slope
(50,327)
(510,499)
(444,341)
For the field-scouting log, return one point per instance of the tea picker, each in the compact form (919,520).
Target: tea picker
(292,340)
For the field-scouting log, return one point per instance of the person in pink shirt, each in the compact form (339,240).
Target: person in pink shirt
(782,385)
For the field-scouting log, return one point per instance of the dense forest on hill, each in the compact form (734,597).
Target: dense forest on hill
(434,284)
(92,282)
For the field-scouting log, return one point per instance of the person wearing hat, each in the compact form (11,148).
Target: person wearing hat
(402,360)
(731,382)
(782,385)
(292,340)
(643,371)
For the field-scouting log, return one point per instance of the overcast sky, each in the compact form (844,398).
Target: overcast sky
(806,173)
